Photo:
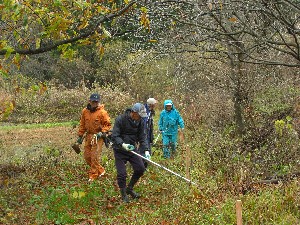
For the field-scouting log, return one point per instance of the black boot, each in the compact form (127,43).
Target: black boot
(124,195)
(129,189)
(145,164)
(132,193)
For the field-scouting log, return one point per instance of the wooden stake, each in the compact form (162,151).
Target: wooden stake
(239,220)
(188,155)
(187,162)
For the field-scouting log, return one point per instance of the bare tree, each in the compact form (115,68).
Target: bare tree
(262,32)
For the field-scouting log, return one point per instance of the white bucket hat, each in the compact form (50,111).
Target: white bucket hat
(151,101)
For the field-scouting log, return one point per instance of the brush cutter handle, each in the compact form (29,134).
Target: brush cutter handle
(128,147)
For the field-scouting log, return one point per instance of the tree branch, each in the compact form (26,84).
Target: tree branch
(84,35)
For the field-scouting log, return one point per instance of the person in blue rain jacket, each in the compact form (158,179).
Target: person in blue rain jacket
(169,121)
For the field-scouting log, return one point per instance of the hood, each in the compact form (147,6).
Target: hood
(168,101)
(127,111)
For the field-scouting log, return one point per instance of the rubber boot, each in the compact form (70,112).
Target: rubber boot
(173,150)
(130,191)
(166,152)
(124,195)
(145,164)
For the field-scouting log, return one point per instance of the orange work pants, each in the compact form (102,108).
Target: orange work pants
(92,156)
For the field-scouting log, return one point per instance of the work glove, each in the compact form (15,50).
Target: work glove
(107,140)
(99,135)
(128,147)
(79,140)
(147,155)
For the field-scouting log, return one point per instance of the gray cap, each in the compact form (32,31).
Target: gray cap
(140,109)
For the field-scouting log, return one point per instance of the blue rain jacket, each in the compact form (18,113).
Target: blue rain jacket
(170,120)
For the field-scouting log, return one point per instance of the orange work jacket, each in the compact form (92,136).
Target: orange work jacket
(94,122)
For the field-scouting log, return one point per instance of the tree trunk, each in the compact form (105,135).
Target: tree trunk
(236,76)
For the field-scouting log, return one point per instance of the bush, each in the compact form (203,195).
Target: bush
(52,103)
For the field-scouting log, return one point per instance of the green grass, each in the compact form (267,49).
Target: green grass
(38,125)
(55,197)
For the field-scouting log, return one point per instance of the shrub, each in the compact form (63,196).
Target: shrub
(58,104)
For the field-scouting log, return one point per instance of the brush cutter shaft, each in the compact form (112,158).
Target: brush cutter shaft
(176,174)
(156,139)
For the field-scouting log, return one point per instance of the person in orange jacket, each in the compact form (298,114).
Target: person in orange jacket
(95,122)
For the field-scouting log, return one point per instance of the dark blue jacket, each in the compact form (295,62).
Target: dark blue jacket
(149,124)
(128,131)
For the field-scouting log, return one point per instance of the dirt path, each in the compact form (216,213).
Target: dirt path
(20,145)
(60,136)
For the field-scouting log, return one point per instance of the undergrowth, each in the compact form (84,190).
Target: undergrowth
(52,188)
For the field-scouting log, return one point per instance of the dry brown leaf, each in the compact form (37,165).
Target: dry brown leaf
(233,19)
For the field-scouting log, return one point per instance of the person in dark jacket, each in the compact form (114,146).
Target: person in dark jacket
(150,110)
(128,132)
(148,122)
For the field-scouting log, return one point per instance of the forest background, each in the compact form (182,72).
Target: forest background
(231,68)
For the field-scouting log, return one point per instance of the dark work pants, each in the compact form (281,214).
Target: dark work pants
(121,157)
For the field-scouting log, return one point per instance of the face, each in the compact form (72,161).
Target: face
(151,106)
(94,104)
(168,107)
(135,116)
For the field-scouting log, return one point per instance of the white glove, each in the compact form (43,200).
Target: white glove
(128,147)
(147,155)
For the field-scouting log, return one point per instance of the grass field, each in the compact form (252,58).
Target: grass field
(42,181)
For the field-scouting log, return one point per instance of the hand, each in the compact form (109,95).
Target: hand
(79,140)
(99,135)
(128,147)
(147,155)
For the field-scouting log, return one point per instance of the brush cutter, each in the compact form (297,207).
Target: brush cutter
(156,164)
(176,174)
